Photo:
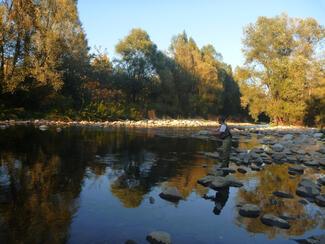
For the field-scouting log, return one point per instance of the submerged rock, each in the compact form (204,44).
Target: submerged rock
(242,170)
(320,200)
(321,181)
(278,147)
(282,194)
(250,211)
(151,200)
(171,194)
(312,240)
(272,220)
(296,170)
(159,237)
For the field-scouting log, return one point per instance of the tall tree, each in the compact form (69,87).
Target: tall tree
(282,66)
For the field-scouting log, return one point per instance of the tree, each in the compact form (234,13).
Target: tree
(137,53)
(282,66)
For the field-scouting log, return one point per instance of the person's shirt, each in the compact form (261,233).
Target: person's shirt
(222,128)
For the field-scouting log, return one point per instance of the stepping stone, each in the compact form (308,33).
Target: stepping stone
(250,211)
(282,194)
(272,220)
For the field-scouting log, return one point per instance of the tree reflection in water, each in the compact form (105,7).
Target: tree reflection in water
(42,175)
(276,178)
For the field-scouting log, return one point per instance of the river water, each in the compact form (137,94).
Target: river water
(87,185)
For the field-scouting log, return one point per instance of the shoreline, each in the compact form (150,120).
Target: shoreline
(159,123)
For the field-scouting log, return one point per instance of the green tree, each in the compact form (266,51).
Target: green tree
(282,66)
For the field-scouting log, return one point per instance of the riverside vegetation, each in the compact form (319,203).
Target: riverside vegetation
(47,71)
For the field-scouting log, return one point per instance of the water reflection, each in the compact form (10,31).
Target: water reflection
(260,190)
(43,175)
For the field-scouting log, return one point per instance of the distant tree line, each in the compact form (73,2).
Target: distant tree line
(47,70)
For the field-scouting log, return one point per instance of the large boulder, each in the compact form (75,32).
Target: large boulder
(159,237)
(272,220)
(171,194)
(250,211)
(317,135)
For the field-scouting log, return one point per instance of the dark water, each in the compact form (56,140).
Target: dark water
(93,186)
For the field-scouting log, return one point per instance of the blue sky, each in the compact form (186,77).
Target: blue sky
(218,22)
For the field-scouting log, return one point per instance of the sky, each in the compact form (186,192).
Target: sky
(216,22)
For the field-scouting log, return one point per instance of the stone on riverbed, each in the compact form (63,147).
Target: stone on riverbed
(307,188)
(249,210)
(171,194)
(159,237)
(206,180)
(320,200)
(312,240)
(296,170)
(318,135)
(242,170)
(282,194)
(232,181)
(219,183)
(272,220)
(212,155)
(278,147)
(321,181)
(311,163)
(287,137)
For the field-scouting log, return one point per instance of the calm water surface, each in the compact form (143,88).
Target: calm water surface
(93,186)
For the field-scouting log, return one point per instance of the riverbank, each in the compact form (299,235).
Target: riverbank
(160,123)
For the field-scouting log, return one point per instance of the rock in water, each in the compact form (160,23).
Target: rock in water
(320,200)
(296,170)
(43,127)
(206,180)
(304,191)
(250,211)
(287,137)
(282,194)
(312,240)
(271,220)
(171,194)
(277,147)
(219,183)
(232,181)
(151,200)
(321,181)
(242,170)
(159,237)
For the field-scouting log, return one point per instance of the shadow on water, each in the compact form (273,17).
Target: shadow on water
(55,187)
